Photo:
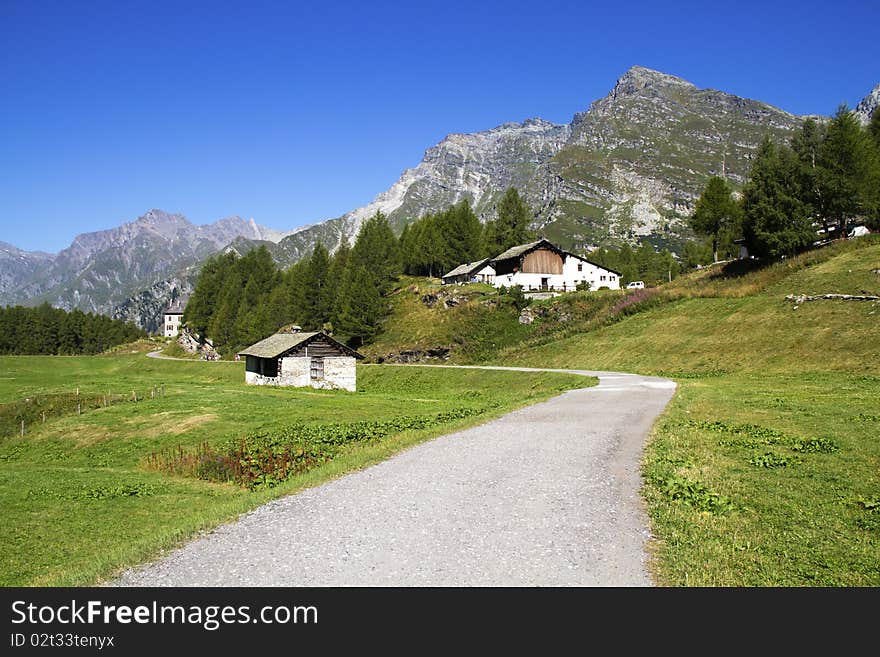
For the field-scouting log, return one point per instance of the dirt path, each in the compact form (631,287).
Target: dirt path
(547,495)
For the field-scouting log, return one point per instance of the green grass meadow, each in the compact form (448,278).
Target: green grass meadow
(80,502)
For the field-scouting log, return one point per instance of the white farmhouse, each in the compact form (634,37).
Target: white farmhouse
(542,265)
(171,318)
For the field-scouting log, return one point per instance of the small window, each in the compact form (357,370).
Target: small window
(611,278)
(580,266)
(602,278)
(317,369)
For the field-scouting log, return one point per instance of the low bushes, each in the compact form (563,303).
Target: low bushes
(261,459)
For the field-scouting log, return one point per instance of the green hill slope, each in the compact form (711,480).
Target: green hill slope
(726,322)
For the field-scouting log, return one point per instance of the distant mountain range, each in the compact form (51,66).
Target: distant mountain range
(629,167)
(101,270)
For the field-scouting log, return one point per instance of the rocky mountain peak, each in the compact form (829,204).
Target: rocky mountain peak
(868,105)
(638,78)
(156,216)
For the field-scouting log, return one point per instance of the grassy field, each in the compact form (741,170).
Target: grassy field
(765,469)
(81,500)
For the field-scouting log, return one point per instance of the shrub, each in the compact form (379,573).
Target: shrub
(515,295)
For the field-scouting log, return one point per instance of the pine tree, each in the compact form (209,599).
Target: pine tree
(335,276)
(318,300)
(511,226)
(776,222)
(359,306)
(376,250)
(850,183)
(716,214)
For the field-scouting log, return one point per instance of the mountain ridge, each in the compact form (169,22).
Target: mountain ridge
(100,269)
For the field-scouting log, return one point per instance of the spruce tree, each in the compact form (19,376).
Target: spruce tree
(850,183)
(874,128)
(511,226)
(203,302)
(376,250)
(462,234)
(318,301)
(335,276)
(776,222)
(716,214)
(807,144)
(359,306)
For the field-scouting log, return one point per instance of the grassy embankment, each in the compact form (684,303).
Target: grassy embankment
(765,469)
(81,498)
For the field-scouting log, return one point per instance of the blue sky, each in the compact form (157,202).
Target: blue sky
(293,112)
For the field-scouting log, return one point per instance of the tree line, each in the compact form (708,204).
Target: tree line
(813,189)
(52,331)
(240,300)
(437,243)
(642,263)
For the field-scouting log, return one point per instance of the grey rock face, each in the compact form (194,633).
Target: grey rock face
(126,272)
(17,267)
(629,167)
(868,105)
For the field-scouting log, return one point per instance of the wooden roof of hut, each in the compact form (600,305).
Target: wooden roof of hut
(282,343)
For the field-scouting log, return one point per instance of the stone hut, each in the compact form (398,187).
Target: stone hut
(301,360)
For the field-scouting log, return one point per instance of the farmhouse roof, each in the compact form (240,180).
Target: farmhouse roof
(466,268)
(522,249)
(280,343)
(176,306)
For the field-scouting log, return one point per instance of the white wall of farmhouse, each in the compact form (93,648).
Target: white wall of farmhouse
(485,275)
(574,270)
(171,324)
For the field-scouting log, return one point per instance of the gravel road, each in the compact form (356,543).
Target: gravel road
(545,496)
